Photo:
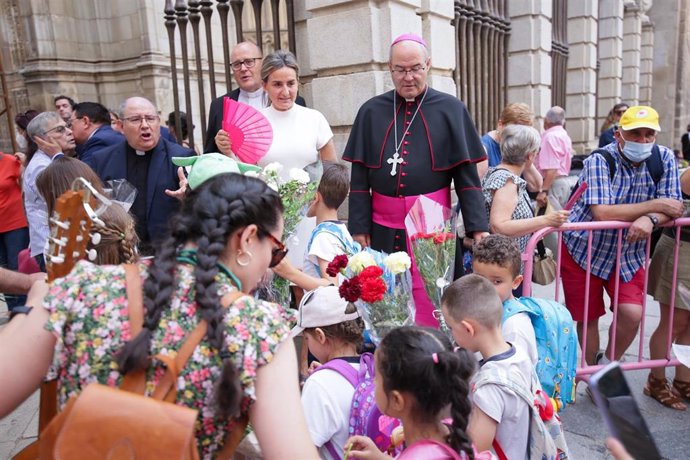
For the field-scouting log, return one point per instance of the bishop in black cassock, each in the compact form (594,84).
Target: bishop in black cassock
(436,143)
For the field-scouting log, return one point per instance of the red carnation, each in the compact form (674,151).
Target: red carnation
(373,289)
(350,289)
(337,264)
(373,271)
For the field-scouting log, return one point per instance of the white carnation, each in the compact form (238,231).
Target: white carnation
(397,263)
(274,167)
(360,261)
(299,175)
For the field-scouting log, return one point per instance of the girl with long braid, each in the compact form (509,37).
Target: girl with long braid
(418,378)
(226,235)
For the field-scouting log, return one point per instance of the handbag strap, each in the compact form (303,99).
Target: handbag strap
(541,249)
(134,381)
(165,389)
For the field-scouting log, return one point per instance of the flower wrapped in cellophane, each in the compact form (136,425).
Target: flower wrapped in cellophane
(296,193)
(431,230)
(380,286)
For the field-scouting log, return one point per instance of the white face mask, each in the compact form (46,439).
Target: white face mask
(636,151)
(22,145)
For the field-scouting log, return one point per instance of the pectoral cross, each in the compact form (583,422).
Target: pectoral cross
(395,161)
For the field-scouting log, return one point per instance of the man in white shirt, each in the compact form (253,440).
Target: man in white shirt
(246,59)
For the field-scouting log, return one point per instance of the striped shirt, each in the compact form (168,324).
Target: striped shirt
(629,185)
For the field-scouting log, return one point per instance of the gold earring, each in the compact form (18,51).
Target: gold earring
(240,254)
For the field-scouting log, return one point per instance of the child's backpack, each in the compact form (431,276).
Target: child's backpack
(348,245)
(556,338)
(546,438)
(365,417)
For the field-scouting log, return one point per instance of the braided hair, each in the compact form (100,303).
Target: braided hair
(118,237)
(209,215)
(421,361)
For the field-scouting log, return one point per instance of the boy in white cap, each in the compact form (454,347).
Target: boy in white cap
(332,329)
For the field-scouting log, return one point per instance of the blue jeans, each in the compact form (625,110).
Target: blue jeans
(10,244)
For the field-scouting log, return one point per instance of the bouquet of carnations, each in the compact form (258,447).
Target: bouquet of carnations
(431,227)
(296,193)
(380,286)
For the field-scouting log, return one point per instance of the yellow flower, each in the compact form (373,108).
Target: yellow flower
(397,262)
(360,261)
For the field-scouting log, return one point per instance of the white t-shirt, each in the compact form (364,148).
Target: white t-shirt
(518,330)
(326,246)
(505,407)
(298,135)
(326,399)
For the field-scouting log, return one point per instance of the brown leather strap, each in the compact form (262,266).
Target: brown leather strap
(134,382)
(165,389)
(233,439)
(48,407)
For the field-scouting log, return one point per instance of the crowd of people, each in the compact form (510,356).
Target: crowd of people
(203,236)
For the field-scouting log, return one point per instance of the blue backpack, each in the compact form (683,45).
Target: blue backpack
(365,417)
(556,336)
(348,245)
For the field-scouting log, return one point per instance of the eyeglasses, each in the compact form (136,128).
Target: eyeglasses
(279,252)
(248,63)
(400,72)
(138,119)
(60,129)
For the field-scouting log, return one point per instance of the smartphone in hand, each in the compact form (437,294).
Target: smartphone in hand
(621,413)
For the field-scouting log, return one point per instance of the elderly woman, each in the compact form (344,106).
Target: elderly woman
(509,207)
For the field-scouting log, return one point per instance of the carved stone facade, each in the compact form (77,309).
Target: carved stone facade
(617,50)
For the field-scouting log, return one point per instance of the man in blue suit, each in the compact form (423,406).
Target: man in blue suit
(91,128)
(144,159)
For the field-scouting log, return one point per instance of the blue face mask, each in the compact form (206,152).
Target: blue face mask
(637,152)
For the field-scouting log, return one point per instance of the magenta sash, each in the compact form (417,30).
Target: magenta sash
(389,211)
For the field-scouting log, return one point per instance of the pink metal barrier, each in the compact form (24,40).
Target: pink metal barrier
(585,370)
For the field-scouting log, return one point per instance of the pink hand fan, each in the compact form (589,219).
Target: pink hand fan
(250,132)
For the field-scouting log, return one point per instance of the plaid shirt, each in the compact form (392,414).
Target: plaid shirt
(629,185)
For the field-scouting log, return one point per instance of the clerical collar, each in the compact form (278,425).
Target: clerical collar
(140,153)
(253,94)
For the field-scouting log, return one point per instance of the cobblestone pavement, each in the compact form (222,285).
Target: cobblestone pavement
(585,431)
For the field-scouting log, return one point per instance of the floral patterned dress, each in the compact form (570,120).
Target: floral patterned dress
(89,317)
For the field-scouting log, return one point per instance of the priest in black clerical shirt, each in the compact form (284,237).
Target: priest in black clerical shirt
(144,159)
(409,142)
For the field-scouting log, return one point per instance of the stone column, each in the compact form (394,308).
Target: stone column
(610,62)
(439,33)
(581,82)
(632,44)
(646,61)
(671,61)
(529,61)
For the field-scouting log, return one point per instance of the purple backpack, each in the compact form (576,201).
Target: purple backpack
(365,417)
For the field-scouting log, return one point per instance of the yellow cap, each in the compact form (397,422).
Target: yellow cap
(640,116)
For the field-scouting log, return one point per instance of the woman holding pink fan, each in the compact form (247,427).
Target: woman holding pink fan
(301,136)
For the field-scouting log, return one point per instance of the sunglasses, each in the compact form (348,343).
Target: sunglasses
(279,252)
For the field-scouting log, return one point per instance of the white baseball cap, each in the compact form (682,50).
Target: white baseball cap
(322,307)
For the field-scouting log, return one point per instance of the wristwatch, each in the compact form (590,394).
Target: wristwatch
(653,218)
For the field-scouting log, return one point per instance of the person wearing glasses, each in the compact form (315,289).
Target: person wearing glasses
(410,142)
(223,239)
(245,60)
(91,128)
(611,124)
(144,158)
(52,137)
